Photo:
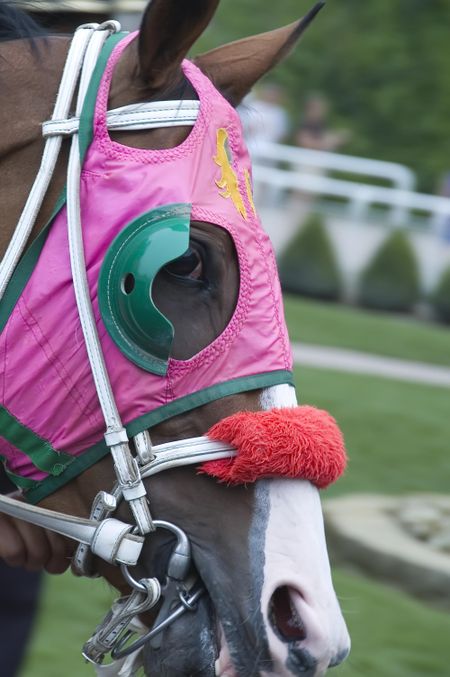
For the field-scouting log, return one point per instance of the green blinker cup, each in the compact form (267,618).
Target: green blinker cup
(131,264)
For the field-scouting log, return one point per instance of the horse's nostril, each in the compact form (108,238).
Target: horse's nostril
(284,617)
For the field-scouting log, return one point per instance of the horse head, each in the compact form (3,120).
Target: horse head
(205,342)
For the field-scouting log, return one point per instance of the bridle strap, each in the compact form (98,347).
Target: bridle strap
(186,452)
(110,539)
(107,537)
(148,115)
(116,438)
(50,155)
(82,56)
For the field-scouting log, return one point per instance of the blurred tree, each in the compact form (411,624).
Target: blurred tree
(309,266)
(391,280)
(384,65)
(440,299)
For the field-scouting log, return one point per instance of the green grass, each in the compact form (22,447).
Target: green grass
(392,634)
(70,610)
(396,433)
(344,327)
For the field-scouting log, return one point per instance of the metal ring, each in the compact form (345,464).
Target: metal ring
(120,651)
(180,559)
(189,603)
(137,585)
(179,533)
(182,541)
(111,25)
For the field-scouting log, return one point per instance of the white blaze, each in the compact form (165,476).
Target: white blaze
(296,556)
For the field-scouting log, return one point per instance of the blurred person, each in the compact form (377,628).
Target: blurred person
(443,226)
(264,116)
(19,596)
(265,119)
(313,132)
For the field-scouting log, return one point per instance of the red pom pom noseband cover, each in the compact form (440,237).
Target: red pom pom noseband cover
(298,442)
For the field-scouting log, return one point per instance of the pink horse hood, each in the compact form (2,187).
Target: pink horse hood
(48,393)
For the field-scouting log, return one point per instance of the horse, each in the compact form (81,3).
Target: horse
(267,605)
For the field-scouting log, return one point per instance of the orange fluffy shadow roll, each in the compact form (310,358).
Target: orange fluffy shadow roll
(298,442)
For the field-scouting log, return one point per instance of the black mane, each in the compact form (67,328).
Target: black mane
(16,24)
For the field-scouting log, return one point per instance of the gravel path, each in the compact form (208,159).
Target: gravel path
(340,359)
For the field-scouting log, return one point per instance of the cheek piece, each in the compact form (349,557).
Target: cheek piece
(298,442)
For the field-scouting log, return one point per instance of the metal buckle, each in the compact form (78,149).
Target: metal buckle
(117,620)
(188,603)
(179,593)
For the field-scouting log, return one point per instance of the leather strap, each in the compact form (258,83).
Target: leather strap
(110,539)
(107,537)
(186,452)
(149,115)
(51,151)
(116,437)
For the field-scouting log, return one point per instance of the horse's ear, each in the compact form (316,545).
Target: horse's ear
(236,67)
(168,30)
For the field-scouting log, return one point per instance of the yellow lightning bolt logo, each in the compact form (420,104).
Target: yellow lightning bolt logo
(228,182)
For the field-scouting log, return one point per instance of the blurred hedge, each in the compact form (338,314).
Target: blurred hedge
(391,281)
(440,299)
(309,266)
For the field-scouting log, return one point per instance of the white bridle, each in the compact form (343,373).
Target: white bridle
(115,541)
(110,539)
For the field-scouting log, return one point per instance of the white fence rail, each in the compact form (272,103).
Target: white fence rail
(400,176)
(288,168)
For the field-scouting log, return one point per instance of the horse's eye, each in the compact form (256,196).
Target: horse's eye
(189,266)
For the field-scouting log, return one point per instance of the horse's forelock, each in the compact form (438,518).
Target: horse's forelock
(16,24)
